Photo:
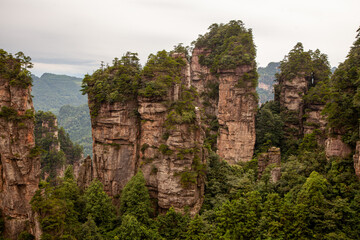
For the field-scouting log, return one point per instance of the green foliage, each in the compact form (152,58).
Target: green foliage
(15,69)
(160,73)
(135,199)
(116,83)
(76,122)
(73,152)
(98,205)
(52,91)
(251,76)
(26,236)
(343,108)
(57,208)
(182,111)
(47,142)
(187,178)
(173,225)
(230,45)
(164,149)
(269,126)
(89,230)
(296,64)
(132,229)
(10,114)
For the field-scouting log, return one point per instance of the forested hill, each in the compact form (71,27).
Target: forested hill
(52,91)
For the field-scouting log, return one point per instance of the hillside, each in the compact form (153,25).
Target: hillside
(76,121)
(52,91)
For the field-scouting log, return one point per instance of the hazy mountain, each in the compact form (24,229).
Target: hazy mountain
(52,91)
(266,81)
(76,121)
(61,95)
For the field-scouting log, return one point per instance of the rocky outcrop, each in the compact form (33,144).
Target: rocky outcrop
(314,119)
(83,172)
(19,165)
(335,147)
(50,127)
(236,115)
(177,104)
(115,132)
(234,106)
(356,158)
(291,94)
(271,158)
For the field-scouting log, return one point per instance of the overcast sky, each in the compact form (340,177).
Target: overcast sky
(73,36)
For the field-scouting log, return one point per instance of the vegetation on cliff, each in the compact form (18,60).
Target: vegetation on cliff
(311,70)
(343,109)
(76,121)
(116,83)
(15,68)
(159,74)
(228,46)
(314,198)
(52,158)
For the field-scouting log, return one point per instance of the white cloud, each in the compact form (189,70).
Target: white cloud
(81,33)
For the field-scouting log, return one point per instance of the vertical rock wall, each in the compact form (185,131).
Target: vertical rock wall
(19,168)
(115,150)
(234,107)
(236,115)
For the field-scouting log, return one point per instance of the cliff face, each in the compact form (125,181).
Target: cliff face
(233,105)
(115,150)
(236,115)
(160,117)
(19,166)
(271,157)
(292,105)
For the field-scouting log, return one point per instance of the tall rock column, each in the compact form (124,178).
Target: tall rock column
(115,149)
(19,165)
(171,138)
(236,115)
(224,73)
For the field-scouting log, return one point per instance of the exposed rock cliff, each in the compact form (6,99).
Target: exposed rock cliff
(236,115)
(19,165)
(303,91)
(115,150)
(159,118)
(356,158)
(271,157)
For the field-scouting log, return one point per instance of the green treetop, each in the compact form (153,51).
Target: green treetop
(116,83)
(15,68)
(230,45)
(343,109)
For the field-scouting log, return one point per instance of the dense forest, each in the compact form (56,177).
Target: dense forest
(52,91)
(315,196)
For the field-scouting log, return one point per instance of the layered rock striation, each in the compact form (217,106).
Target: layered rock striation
(19,163)
(165,118)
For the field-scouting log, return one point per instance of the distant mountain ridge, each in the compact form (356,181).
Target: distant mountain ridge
(52,91)
(61,95)
(266,81)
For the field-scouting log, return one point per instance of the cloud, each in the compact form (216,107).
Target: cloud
(75,36)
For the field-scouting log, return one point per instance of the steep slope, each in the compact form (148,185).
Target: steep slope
(158,118)
(52,91)
(19,163)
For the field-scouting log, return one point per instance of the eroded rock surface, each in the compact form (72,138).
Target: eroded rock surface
(271,157)
(19,167)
